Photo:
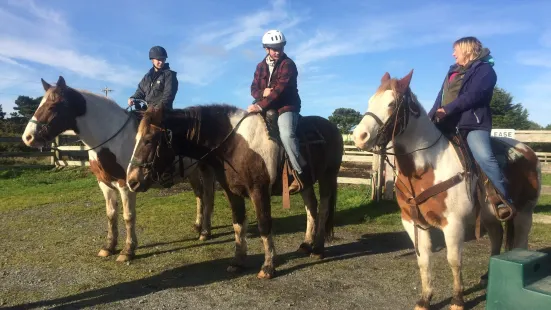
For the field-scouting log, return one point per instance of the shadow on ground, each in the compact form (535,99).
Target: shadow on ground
(214,271)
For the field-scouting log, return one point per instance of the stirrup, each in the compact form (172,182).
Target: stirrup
(505,213)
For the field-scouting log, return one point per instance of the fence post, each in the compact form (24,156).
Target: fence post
(375,171)
(55,152)
(389,180)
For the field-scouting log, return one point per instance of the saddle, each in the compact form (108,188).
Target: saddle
(477,181)
(307,135)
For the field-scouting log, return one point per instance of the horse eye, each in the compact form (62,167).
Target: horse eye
(147,142)
(392,105)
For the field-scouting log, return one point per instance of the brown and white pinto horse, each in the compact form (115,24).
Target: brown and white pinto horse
(424,157)
(237,145)
(99,121)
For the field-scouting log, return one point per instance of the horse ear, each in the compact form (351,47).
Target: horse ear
(385,77)
(403,83)
(45,85)
(61,83)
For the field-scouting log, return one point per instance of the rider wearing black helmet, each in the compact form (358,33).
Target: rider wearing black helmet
(159,85)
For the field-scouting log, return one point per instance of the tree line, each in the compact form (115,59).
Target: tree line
(506,114)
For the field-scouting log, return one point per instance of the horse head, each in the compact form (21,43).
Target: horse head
(57,112)
(153,154)
(388,113)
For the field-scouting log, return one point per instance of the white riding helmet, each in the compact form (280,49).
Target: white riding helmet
(274,39)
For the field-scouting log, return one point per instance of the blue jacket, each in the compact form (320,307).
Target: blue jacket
(472,105)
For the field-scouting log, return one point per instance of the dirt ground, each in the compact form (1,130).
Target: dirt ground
(48,257)
(367,267)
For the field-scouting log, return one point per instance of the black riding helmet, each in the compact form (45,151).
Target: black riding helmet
(157,52)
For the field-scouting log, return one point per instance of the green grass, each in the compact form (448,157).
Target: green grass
(546,179)
(53,223)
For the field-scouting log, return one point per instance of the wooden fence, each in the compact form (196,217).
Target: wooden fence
(378,175)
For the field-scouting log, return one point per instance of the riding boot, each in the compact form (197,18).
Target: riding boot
(301,181)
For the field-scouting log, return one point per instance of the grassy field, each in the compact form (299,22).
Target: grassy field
(53,223)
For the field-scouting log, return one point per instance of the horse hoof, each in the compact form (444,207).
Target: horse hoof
(317,253)
(484,280)
(305,248)
(104,253)
(456,307)
(204,237)
(235,269)
(266,273)
(124,258)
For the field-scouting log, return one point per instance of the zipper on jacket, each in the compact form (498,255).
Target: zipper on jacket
(477,119)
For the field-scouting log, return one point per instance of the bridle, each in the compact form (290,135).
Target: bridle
(45,127)
(388,131)
(158,177)
(149,166)
(396,124)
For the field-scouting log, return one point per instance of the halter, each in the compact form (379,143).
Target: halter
(168,136)
(388,131)
(396,124)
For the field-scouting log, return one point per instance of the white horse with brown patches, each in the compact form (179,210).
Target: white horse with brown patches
(108,133)
(431,185)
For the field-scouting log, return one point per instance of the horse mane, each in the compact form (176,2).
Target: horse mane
(191,118)
(52,94)
(95,96)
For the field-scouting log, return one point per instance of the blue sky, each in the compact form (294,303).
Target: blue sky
(342,50)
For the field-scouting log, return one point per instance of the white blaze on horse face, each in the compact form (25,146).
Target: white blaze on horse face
(253,130)
(31,129)
(366,131)
(132,173)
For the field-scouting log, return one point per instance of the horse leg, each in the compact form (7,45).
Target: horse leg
(197,186)
(328,201)
(454,234)
(424,245)
(110,196)
(260,198)
(239,217)
(495,233)
(207,200)
(129,213)
(311,206)
(522,226)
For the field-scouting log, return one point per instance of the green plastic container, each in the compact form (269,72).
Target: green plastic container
(520,280)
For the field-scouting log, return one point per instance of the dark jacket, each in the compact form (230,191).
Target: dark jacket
(158,87)
(471,109)
(284,96)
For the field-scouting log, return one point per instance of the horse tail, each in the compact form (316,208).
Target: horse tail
(509,235)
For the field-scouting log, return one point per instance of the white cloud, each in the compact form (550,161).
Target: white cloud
(206,54)
(420,27)
(42,36)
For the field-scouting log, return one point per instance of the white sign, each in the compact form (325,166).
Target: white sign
(507,133)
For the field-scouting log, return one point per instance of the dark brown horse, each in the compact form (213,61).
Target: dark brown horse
(247,163)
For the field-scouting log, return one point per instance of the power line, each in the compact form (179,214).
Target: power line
(106,90)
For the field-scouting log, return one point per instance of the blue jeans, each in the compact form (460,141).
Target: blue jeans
(287,123)
(479,143)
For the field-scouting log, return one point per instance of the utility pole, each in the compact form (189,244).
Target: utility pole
(106,90)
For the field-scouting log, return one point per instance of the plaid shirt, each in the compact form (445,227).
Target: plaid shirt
(284,96)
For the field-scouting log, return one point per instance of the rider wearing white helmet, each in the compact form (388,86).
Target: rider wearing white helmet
(275,87)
